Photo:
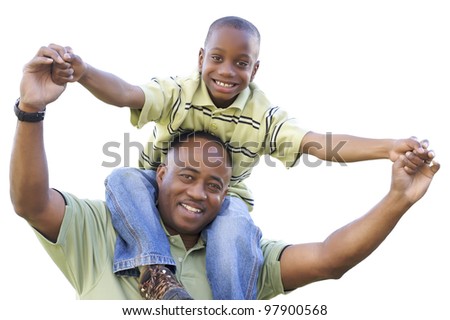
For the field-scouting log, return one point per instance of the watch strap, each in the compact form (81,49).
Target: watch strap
(28,116)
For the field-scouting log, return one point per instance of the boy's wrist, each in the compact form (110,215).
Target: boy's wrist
(85,73)
(389,150)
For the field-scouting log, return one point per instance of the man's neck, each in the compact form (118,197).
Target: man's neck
(189,241)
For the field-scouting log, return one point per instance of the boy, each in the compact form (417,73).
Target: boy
(220,98)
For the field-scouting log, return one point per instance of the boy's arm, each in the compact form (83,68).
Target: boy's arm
(104,85)
(347,148)
(112,89)
(343,249)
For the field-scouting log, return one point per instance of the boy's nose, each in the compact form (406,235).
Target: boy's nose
(226,69)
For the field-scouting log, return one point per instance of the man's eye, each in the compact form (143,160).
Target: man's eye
(215,187)
(186,177)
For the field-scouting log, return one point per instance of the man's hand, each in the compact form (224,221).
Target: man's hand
(37,89)
(413,184)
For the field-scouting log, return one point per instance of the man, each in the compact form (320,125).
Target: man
(192,183)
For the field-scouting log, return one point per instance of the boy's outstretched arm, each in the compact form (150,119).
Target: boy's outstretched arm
(104,85)
(348,148)
(346,247)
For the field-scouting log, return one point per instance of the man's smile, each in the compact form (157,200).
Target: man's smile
(191,208)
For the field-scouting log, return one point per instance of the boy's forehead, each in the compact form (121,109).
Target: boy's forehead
(224,30)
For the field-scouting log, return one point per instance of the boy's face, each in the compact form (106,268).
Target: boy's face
(228,63)
(192,186)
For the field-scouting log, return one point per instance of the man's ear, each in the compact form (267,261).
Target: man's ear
(160,173)
(255,69)
(224,192)
(200,59)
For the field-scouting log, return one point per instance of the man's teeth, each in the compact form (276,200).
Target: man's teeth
(223,84)
(191,208)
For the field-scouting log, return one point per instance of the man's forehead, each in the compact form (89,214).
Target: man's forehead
(198,151)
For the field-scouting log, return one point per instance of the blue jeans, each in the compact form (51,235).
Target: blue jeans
(233,255)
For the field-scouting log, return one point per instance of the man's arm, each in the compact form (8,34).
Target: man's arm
(306,263)
(30,194)
(104,85)
(347,148)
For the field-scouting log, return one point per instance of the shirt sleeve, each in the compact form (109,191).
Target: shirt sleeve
(161,96)
(283,137)
(84,242)
(269,282)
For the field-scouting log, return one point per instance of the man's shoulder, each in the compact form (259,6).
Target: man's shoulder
(91,215)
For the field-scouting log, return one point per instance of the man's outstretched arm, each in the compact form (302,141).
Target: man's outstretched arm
(306,263)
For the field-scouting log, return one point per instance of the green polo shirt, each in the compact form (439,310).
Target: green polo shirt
(251,127)
(85,248)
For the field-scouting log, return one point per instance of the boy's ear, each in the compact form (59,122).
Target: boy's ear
(255,69)
(200,59)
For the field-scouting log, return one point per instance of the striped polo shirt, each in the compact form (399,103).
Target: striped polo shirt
(251,127)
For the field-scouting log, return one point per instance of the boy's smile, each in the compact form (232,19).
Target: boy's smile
(228,63)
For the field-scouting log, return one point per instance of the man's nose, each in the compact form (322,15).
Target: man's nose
(197,191)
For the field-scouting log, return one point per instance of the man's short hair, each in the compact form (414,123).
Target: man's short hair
(183,137)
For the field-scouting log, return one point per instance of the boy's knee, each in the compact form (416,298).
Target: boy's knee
(121,174)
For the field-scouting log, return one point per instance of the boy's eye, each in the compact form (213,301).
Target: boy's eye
(243,64)
(216,58)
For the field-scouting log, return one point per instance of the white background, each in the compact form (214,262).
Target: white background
(369,68)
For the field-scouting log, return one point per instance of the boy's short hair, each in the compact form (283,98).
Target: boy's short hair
(234,22)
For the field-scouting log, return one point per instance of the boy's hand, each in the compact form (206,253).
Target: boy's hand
(71,70)
(419,149)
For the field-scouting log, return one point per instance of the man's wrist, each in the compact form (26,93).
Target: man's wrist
(399,199)
(27,113)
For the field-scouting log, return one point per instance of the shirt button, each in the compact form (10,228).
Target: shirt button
(213,126)
(180,259)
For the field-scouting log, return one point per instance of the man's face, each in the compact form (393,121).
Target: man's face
(192,185)
(228,63)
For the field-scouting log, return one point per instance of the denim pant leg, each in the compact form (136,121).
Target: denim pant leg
(131,195)
(233,253)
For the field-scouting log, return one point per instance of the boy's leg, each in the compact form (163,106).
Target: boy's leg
(233,253)
(131,195)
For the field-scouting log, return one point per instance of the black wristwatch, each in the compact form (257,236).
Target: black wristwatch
(28,116)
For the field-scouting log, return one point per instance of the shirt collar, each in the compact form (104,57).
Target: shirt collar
(176,240)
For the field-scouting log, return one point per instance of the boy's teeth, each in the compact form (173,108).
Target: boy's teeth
(190,208)
(223,84)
